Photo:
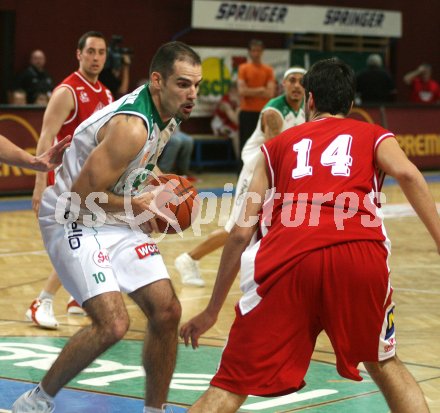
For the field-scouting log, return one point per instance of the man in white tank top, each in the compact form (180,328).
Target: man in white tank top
(106,167)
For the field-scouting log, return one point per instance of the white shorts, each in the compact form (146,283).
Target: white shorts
(92,261)
(243,183)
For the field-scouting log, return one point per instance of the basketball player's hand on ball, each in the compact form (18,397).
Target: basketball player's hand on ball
(143,204)
(195,327)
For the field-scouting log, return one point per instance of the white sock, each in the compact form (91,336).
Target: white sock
(40,393)
(148,409)
(44,295)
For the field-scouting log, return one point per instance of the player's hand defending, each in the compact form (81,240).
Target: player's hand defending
(195,327)
(52,158)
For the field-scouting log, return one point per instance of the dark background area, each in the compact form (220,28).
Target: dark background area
(54,27)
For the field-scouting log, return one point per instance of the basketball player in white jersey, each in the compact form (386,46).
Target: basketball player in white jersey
(108,163)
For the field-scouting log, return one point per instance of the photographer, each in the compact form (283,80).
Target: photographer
(116,73)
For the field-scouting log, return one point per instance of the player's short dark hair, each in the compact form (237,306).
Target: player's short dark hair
(333,85)
(168,53)
(83,39)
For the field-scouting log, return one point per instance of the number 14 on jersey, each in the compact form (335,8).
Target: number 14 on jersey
(336,155)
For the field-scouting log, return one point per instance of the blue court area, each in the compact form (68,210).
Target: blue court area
(70,401)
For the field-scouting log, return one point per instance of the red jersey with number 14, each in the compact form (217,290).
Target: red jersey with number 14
(326,192)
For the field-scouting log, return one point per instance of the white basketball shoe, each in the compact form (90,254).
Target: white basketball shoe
(189,270)
(41,313)
(30,402)
(74,308)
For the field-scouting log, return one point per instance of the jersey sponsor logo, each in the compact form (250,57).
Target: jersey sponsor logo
(84,97)
(147,250)
(101,258)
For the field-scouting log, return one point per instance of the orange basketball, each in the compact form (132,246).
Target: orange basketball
(177,200)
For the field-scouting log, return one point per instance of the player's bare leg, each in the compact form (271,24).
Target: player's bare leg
(53,283)
(216,239)
(160,304)
(110,322)
(216,400)
(398,386)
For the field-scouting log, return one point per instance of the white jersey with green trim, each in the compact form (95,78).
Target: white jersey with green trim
(138,103)
(290,118)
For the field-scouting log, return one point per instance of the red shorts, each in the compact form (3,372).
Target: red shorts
(50,178)
(344,290)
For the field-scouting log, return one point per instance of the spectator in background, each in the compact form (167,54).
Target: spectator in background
(34,78)
(176,156)
(18,97)
(42,99)
(423,88)
(225,120)
(116,75)
(256,86)
(374,84)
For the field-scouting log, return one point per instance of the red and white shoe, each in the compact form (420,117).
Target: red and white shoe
(41,314)
(74,308)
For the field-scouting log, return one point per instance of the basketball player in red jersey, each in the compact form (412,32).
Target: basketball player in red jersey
(322,263)
(76,98)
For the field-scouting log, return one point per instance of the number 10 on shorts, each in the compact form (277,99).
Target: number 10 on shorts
(99,277)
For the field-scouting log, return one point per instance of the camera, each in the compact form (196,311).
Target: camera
(115,53)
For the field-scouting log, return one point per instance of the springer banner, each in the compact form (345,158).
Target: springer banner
(286,18)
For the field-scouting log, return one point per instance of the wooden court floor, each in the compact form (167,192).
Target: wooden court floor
(415,265)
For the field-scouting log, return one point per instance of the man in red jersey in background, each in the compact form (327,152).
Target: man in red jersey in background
(321,261)
(76,98)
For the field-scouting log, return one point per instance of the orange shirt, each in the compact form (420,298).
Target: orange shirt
(254,76)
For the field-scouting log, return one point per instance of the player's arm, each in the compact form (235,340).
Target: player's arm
(13,155)
(271,124)
(392,160)
(119,143)
(236,243)
(61,103)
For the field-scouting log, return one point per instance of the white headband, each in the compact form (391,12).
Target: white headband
(294,70)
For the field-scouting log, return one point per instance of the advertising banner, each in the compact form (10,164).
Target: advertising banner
(286,18)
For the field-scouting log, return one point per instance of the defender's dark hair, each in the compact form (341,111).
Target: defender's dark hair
(333,86)
(167,54)
(83,39)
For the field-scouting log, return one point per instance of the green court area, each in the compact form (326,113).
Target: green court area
(119,372)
